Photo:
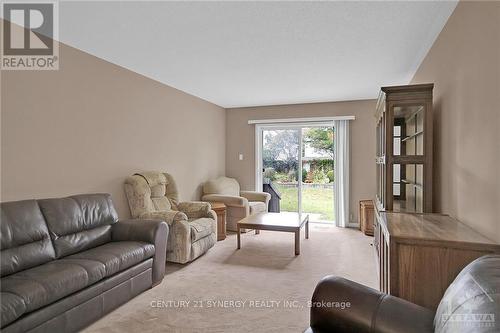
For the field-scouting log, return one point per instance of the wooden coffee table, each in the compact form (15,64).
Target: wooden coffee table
(287,222)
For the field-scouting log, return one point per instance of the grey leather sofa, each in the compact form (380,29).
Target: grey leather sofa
(470,304)
(67,262)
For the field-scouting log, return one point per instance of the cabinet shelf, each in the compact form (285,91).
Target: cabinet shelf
(409,182)
(412,136)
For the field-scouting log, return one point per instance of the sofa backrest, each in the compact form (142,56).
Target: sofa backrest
(472,302)
(222,185)
(78,222)
(24,237)
(151,191)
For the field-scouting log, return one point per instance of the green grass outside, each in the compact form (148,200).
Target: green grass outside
(314,200)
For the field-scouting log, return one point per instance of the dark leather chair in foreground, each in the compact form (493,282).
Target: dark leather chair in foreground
(67,262)
(471,304)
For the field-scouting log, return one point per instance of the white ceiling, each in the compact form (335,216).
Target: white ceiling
(261,53)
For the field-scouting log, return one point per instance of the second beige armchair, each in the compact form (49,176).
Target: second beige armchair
(239,204)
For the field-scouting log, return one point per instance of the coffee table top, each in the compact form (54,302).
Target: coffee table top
(285,219)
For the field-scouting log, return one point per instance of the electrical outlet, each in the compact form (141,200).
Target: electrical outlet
(240,157)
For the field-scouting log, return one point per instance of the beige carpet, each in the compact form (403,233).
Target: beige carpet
(261,288)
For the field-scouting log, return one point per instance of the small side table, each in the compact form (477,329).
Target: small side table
(366,217)
(220,210)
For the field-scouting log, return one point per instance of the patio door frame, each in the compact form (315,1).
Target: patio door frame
(259,129)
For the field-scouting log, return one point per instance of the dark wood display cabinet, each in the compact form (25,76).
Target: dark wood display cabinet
(404,149)
(418,252)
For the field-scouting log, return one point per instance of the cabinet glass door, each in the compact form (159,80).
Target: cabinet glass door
(409,119)
(411,198)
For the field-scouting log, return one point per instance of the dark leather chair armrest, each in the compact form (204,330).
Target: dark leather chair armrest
(150,231)
(341,305)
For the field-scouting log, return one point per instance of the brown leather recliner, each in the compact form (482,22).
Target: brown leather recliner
(471,304)
(67,262)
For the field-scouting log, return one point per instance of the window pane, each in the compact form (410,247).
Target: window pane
(396,189)
(396,177)
(409,128)
(280,157)
(397,146)
(397,130)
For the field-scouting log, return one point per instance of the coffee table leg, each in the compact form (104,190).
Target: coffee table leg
(239,236)
(307,228)
(257,231)
(297,242)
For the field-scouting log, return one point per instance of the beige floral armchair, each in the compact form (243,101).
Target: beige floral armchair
(239,204)
(192,225)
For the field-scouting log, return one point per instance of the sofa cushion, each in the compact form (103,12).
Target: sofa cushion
(24,237)
(75,306)
(13,307)
(117,256)
(257,207)
(39,286)
(200,228)
(79,222)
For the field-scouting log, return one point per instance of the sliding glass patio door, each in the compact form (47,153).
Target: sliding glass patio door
(297,159)
(280,165)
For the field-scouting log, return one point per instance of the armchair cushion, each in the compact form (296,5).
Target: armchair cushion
(153,178)
(169,216)
(195,209)
(256,196)
(222,185)
(151,191)
(228,200)
(257,207)
(200,228)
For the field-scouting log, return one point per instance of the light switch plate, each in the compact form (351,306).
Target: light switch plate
(241,157)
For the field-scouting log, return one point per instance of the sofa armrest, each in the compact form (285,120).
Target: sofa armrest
(228,200)
(150,231)
(341,305)
(169,216)
(256,196)
(195,209)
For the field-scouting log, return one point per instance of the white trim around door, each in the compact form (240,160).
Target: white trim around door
(341,155)
(294,121)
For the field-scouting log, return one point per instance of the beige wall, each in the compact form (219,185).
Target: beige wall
(241,139)
(87,126)
(464,64)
